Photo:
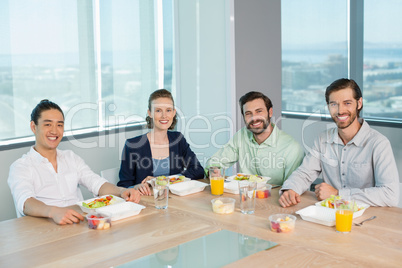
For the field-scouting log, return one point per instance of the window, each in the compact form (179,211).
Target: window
(134,37)
(41,60)
(382,60)
(99,60)
(322,44)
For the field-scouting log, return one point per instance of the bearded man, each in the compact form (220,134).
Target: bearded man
(354,160)
(260,147)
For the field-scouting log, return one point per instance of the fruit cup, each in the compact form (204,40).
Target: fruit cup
(264,192)
(282,223)
(99,221)
(223,205)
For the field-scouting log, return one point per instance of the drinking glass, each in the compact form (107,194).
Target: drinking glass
(161,193)
(247,196)
(217,178)
(344,209)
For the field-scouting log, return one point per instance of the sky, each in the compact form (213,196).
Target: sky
(50,26)
(306,22)
(383,17)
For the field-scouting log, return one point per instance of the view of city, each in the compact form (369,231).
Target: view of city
(315,52)
(307,73)
(304,79)
(57,57)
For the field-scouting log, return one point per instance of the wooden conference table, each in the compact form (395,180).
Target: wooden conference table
(33,242)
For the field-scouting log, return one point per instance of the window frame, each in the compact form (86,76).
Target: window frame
(88,20)
(71,135)
(355,65)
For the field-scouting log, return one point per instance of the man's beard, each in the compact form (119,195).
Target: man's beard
(345,124)
(265,124)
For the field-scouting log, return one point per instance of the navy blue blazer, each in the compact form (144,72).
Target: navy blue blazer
(136,163)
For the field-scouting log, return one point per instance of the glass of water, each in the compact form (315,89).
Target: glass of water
(161,192)
(247,196)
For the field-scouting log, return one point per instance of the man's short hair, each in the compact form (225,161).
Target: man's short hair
(342,84)
(252,95)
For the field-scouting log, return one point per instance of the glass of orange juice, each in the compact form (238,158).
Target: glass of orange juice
(344,209)
(217,178)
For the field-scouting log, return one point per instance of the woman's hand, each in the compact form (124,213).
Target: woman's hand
(147,179)
(143,188)
(131,195)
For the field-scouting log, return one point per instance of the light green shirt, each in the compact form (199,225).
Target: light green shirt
(277,157)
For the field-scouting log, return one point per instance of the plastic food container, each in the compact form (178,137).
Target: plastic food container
(362,208)
(264,192)
(171,179)
(282,223)
(187,187)
(318,214)
(231,185)
(223,205)
(116,200)
(121,210)
(99,221)
(325,216)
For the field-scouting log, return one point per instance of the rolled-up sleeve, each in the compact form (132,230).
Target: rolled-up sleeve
(226,156)
(301,179)
(21,184)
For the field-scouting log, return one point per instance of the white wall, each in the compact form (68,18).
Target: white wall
(258,51)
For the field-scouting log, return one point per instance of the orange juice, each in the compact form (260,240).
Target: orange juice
(217,185)
(343,219)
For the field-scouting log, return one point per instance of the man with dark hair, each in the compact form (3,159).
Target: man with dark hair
(45,181)
(354,160)
(260,148)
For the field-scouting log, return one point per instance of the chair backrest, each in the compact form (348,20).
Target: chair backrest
(111,174)
(400,195)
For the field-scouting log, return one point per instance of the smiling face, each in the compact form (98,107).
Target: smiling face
(162,113)
(49,130)
(256,116)
(343,108)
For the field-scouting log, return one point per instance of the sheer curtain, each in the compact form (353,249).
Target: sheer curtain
(202,82)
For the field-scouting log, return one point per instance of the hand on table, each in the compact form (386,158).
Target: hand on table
(324,190)
(132,195)
(289,198)
(143,188)
(148,178)
(64,216)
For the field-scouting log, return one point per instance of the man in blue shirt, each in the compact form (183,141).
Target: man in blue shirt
(355,160)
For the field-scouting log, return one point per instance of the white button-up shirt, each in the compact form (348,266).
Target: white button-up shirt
(34,176)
